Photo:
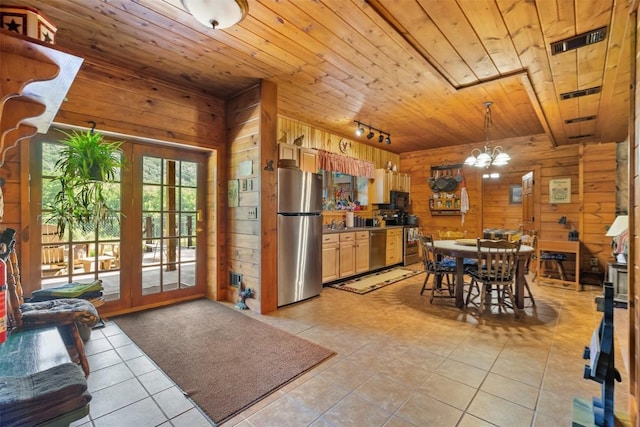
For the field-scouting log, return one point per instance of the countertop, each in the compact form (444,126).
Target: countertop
(326,230)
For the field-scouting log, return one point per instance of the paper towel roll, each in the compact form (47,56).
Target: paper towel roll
(349,219)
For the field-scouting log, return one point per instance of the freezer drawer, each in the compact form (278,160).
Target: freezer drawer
(299,258)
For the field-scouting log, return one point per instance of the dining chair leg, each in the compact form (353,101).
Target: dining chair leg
(509,293)
(472,285)
(483,299)
(424,284)
(528,289)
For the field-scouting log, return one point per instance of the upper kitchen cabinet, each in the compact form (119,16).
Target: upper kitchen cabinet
(306,158)
(386,181)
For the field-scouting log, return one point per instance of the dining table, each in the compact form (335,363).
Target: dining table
(467,248)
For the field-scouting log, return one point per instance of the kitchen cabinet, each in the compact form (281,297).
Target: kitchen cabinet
(306,158)
(288,152)
(347,262)
(402,183)
(394,246)
(362,252)
(385,181)
(381,187)
(330,257)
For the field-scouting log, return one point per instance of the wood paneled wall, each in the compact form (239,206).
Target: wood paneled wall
(592,208)
(289,130)
(252,241)
(127,104)
(497,210)
(634,229)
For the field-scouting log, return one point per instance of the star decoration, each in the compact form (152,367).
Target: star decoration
(46,38)
(13,26)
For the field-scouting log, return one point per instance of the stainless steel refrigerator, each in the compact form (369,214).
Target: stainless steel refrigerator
(299,235)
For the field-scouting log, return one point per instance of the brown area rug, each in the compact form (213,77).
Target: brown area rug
(221,358)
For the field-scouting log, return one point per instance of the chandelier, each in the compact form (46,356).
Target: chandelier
(487,157)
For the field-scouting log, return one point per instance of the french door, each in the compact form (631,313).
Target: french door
(167,224)
(153,252)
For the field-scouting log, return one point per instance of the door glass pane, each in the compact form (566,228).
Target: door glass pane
(168,220)
(78,255)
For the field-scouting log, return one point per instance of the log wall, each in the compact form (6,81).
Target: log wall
(251,241)
(591,169)
(124,103)
(289,130)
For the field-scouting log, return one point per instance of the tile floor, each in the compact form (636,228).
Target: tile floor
(400,362)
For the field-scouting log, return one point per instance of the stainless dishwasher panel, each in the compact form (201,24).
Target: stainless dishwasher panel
(378,249)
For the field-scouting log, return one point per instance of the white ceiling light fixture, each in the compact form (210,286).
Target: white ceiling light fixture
(217,14)
(487,157)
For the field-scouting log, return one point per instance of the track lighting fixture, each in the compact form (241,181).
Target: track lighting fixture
(381,134)
(370,134)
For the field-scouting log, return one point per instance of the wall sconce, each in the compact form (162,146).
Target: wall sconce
(381,134)
(217,14)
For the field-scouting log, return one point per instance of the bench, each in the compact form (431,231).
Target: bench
(39,384)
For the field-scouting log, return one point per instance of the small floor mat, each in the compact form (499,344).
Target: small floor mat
(371,282)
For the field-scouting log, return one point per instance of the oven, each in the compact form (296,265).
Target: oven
(410,245)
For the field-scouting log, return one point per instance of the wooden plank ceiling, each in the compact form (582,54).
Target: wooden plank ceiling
(420,70)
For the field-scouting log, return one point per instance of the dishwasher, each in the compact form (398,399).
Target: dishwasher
(378,249)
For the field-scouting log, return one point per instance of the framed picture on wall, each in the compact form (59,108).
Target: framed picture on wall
(560,190)
(515,194)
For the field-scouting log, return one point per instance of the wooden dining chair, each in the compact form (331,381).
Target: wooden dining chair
(452,235)
(442,271)
(496,275)
(469,263)
(530,264)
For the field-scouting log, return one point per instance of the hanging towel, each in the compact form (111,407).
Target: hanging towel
(464,200)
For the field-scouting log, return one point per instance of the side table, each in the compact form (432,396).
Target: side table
(617,275)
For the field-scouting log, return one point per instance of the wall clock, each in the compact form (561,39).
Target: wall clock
(345,145)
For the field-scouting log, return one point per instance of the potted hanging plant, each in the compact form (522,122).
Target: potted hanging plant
(87,162)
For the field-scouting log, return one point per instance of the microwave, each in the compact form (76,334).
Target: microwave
(399,200)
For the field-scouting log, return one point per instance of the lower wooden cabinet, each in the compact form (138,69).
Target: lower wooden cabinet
(347,254)
(394,246)
(330,257)
(362,252)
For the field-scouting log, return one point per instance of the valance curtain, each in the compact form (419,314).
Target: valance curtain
(337,163)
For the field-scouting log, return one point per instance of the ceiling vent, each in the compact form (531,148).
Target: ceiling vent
(590,37)
(589,135)
(580,119)
(581,92)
